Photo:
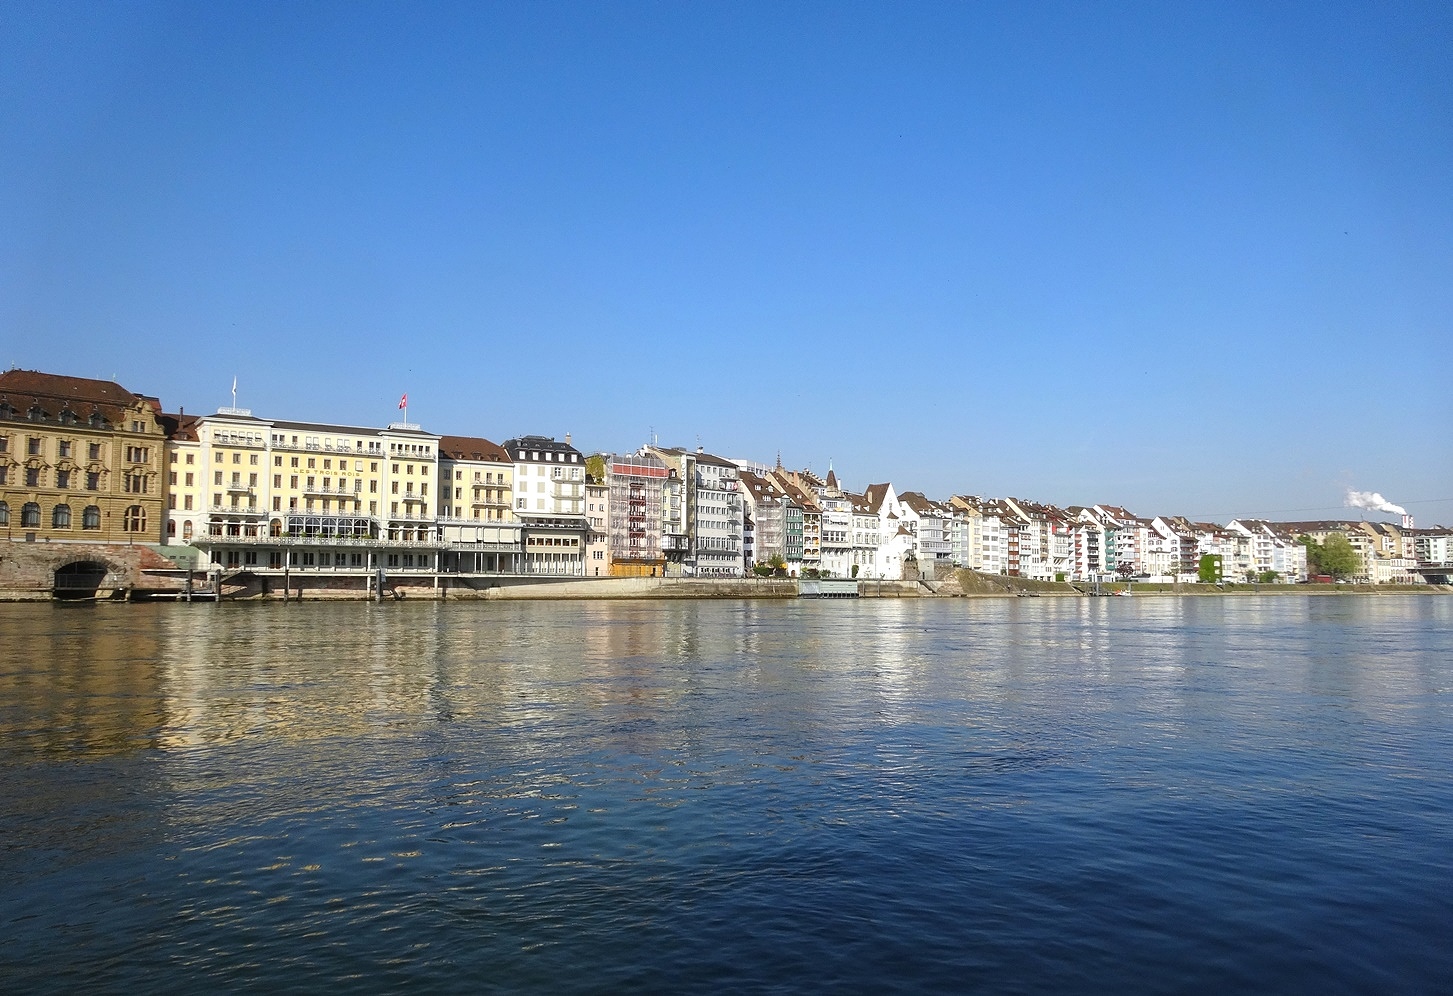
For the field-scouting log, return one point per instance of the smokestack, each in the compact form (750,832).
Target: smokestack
(1407,521)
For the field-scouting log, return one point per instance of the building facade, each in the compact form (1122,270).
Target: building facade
(80,460)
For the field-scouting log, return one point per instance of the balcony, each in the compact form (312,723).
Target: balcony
(248,510)
(238,488)
(310,489)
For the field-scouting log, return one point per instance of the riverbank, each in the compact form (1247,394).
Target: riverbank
(322,588)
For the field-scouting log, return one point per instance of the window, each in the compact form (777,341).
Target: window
(4,473)
(187,530)
(32,446)
(4,444)
(63,478)
(30,516)
(65,448)
(4,513)
(237,458)
(93,481)
(171,527)
(93,452)
(134,521)
(187,502)
(32,477)
(252,459)
(277,461)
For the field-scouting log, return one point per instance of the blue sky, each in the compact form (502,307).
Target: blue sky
(1188,258)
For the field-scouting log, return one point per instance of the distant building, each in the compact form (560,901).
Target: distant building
(549,492)
(80,460)
(476,507)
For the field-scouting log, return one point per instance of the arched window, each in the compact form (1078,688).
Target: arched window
(4,513)
(30,516)
(60,517)
(134,521)
(171,527)
(187,529)
(91,517)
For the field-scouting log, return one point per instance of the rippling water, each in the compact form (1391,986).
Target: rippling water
(1046,795)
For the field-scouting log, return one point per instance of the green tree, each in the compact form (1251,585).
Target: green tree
(1314,554)
(1268,577)
(1337,557)
(855,572)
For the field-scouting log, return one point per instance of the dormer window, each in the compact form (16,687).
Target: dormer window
(36,413)
(96,421)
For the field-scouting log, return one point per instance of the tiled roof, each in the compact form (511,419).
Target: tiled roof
(472,448)
(180,428)
(53,393)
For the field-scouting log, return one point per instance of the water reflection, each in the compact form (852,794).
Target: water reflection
(668,795)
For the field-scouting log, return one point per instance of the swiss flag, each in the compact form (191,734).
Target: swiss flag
(404,401)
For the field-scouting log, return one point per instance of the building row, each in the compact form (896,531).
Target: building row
(89,461)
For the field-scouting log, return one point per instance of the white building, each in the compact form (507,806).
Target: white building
(549,494)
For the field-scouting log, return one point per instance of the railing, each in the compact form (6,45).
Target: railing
(235,510)
(318,541)
(237,487)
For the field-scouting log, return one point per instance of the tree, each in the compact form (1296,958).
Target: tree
(1338,558)
(1210,570)
(1335,557)
(855,572)
(1314,554)
(1268,577)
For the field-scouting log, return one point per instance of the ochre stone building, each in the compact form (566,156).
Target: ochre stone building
(80,461)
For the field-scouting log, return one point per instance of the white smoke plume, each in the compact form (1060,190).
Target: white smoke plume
(1373,502)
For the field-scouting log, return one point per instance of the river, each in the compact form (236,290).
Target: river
(936,795)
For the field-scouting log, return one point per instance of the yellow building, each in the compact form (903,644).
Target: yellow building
(273,495)
(80,460)
(475,506)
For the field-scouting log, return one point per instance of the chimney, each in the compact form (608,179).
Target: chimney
(567,439)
